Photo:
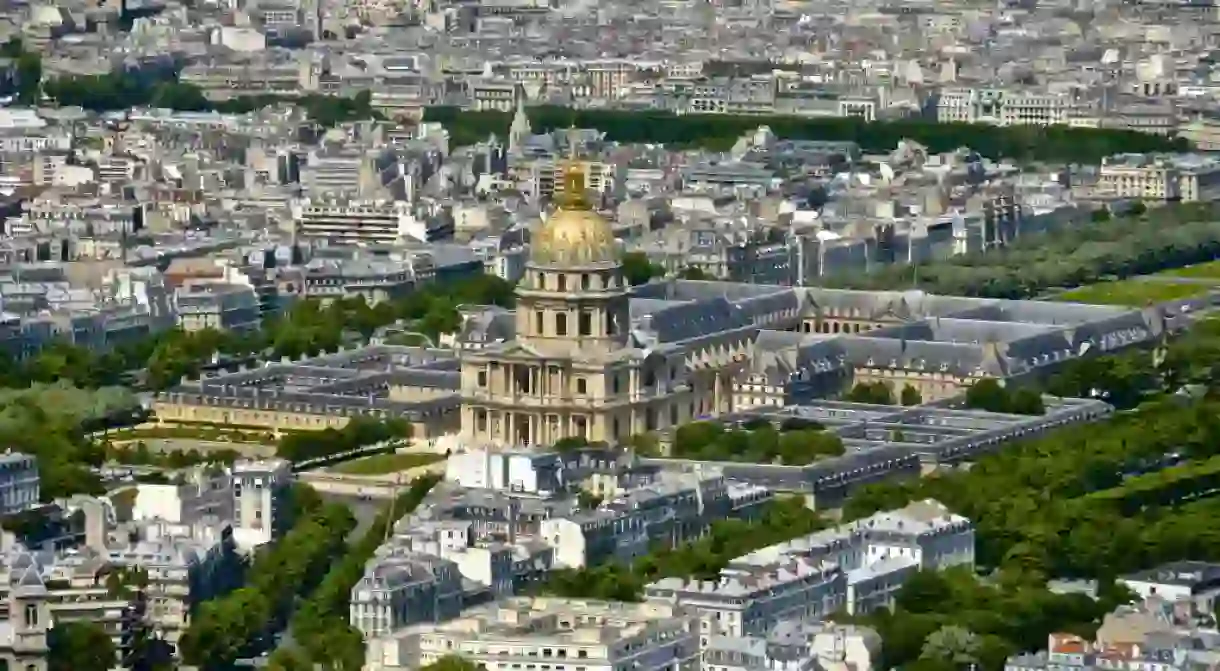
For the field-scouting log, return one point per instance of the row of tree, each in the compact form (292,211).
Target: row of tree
(988,394)
(118,91)
(1162,238)
(882,393)
(245,622)
(702,559)
(1059,144)
(357,433)
(320,625)
(756,442)
(1172,486)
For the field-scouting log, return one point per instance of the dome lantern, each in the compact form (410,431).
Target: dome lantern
(574,236)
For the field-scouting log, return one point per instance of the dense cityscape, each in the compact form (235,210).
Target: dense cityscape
(702,335)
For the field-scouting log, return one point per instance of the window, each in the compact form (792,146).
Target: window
(581,385)
(563,282)
(561,324)
(539,320)
(482,378)
(584,282)
(586,323)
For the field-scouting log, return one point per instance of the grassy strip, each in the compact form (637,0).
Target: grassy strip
(380,464)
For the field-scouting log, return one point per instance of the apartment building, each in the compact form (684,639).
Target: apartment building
(672,508)
(555,634)
(1184,178)
(643,506)
(357,222)
(260,500)
(141,576)
(857,567)
(256,74)
(796,646)
(401,587)
(252,494)
(19,483)
(1006,107)
(214,305)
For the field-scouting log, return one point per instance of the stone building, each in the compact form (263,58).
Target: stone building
(585,361)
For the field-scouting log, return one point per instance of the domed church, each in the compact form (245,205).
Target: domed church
(577,366)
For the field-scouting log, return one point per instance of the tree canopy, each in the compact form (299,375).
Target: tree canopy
(80,646)
(125,90)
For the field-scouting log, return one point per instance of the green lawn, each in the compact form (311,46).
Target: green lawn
(380,464)
(1134,293)
(1199,271)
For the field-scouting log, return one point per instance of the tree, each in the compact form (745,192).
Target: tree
(644,445)
(952,644)
(987,394)
(80,646)
(911,396)
(570,443)
(878,393)
(289,659)
(637,269)
(992,396)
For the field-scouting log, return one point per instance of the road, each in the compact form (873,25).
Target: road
(365,511)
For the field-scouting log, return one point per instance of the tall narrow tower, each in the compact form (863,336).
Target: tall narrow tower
(520,129)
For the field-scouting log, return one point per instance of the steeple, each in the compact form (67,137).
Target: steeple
(520,129)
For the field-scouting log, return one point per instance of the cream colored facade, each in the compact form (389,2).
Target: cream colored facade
(575,369)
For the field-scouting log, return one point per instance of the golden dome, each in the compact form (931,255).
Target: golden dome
(574,235)
(574,238)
